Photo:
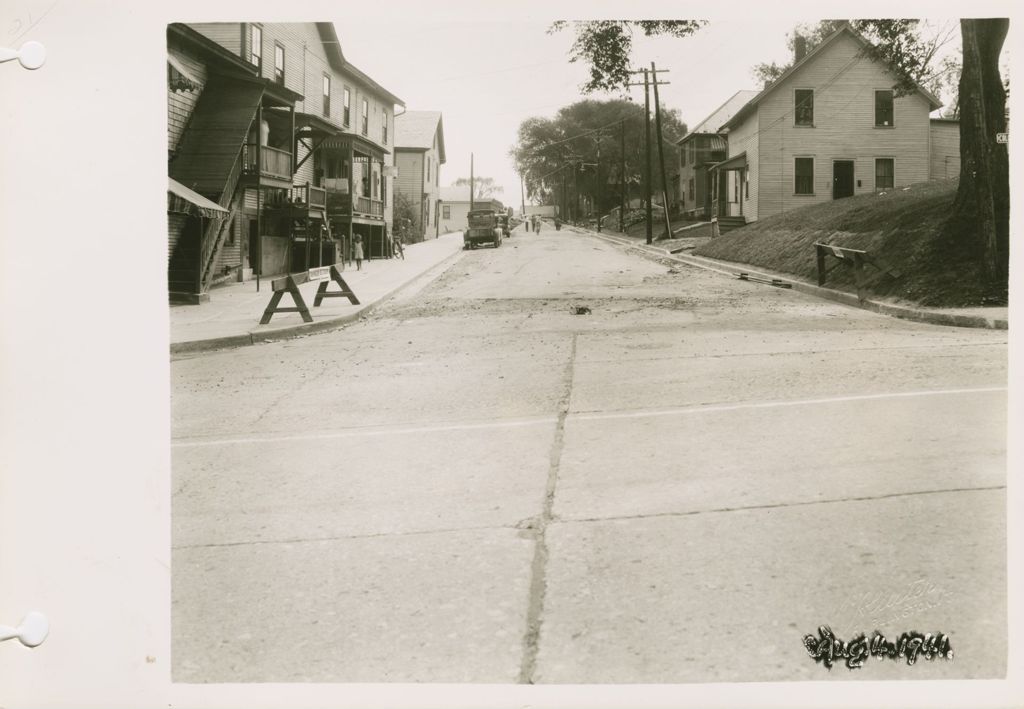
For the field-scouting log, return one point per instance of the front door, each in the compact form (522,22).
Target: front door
(842,179)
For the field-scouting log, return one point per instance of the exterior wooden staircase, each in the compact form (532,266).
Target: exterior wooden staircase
(209,161)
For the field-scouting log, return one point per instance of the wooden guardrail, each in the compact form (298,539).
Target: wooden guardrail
(856,258)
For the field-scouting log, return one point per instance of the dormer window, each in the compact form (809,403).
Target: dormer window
(804,109)
(883,109)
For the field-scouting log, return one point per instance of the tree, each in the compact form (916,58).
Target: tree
(605,46)
(982,205)
(566,146)
(405,217)
(483,187)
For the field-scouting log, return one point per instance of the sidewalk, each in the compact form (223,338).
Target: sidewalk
(231,317)
(995,318)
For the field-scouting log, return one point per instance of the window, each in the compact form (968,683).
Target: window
(279,64)
(366,117)
(446,211)
(256,45)
(804,112)
(883,108)
(689,187)
(804,176)
(746,182)
(327,95)
(428,168)
(384,127)
(347,107)
(884,173)
(682,155)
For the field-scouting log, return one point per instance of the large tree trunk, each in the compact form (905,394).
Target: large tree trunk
(983,196)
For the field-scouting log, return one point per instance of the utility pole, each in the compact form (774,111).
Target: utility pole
(565,201)
(622,176)
(576,192)
(472,187)
(597,192)
(647,146)
(522,197)
(661,150)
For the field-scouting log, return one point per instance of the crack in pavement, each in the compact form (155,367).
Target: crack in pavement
(538,569)
(779,505)
(343,537)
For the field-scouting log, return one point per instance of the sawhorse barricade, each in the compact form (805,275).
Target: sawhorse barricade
(290,284)
(856,258)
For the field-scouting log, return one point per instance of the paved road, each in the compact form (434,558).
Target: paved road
(478,484)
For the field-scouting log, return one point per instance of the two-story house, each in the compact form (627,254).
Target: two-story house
(698,150)
(830,127)
(280,130)
(419,155)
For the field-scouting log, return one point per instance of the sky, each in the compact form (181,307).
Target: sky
(487,76)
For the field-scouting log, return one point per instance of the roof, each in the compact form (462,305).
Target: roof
(332,45)
(749,107)
(736,162)
(720,115)
(416,130)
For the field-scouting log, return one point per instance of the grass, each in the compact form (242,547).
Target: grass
(908,227)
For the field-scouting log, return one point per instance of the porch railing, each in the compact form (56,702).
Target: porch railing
(309,196)
(342,203)
(273,162)
(372,207)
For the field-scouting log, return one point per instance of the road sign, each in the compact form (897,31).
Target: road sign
(1002,137)
(320,274)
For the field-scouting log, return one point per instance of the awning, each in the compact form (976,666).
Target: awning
(179,78)
(736,162)
(182,200)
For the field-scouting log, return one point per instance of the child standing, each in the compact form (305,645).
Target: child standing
(358,247)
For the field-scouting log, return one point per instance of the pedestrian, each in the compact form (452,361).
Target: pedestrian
(558,224)
(536,223)
(358,248)
(526,222)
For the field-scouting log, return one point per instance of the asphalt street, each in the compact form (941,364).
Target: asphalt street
(561,463)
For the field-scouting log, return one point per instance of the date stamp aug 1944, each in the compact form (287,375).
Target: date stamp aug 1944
(827,649)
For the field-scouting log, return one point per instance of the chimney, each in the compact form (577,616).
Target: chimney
(799,48)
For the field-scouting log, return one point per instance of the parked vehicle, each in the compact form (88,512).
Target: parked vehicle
(483,228)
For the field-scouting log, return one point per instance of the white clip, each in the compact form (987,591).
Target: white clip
(31,55)
(31,632)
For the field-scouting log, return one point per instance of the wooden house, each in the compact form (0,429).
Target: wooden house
(419,155)
(272,123)
(698,150)
(830,127)
(455,206)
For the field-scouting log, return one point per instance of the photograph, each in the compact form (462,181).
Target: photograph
(535,355)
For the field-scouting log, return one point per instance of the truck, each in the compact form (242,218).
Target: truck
(483,228)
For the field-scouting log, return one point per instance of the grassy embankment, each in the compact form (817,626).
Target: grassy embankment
(906,227)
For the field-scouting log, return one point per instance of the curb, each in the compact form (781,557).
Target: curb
(899,311)
(319,326)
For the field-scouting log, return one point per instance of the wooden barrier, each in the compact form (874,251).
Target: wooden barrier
(290,284)
(854,257)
